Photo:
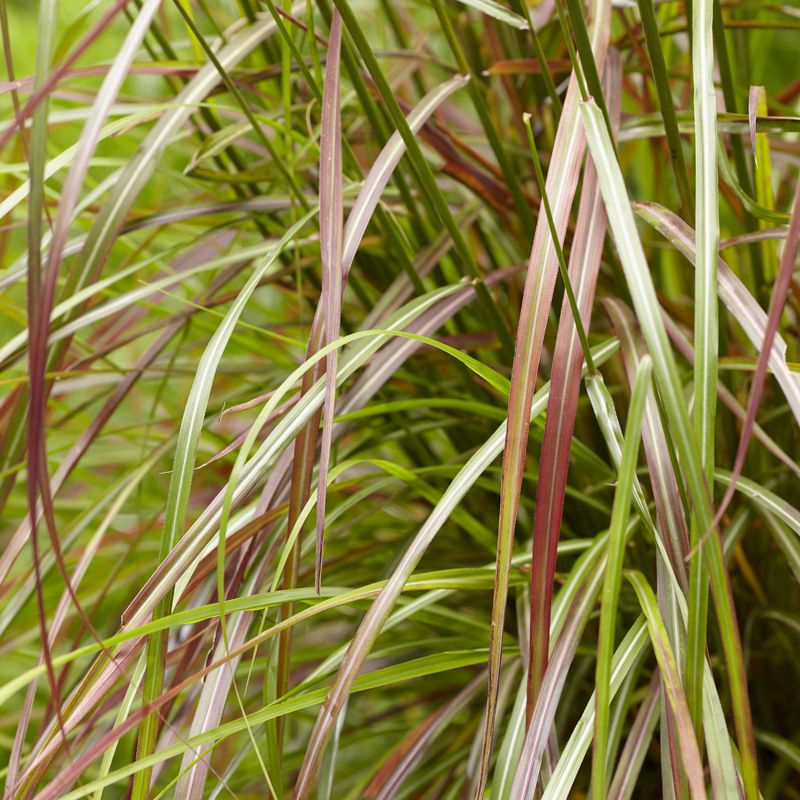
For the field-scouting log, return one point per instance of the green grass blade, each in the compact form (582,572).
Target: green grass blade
(706,324)
(613,576)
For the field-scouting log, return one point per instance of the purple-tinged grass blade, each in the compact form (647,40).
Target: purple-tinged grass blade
(626,656)
(42,292)
(44,299)
(305,445)
(385,164)
(562,180)
(182,474)
(760,328)
(60,614)
(210,705)
(640,283)
(393,774)
(34,431)
(671,524)
(511,752)
(729,400)
(776,304)
(331,223)
(671,593)
(753,100)
(637,743)
(752,236)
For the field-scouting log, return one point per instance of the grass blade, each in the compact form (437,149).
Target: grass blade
(590,232)
(613,576)
(776,305)
(740,303)
(331,222)
(706,323)
(670,676)
(626,656)
(180,485)
(562,179)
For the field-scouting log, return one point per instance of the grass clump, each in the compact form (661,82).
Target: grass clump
(399,400)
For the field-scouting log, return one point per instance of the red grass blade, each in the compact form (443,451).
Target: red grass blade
(587,248)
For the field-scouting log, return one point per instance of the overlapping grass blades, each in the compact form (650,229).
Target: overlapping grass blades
(561,184)
(265,263)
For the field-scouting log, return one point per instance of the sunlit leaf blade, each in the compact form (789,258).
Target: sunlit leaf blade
(497,11)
